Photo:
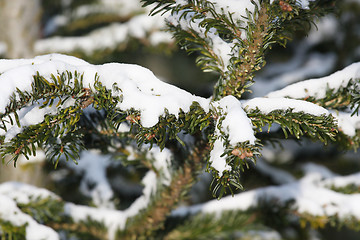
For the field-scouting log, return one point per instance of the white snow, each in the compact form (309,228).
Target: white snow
(277,175)
(347,124)
(140,25)
(111,218)
(304,62)
(109,37)
(236,122)
(236,7)
(317,170)
(317,87)
(222,49)
(23,193)
(120,7)
(342,181)
(114,219)
(12,192)
(267,105)
(92,165)
(141,90)
(304,3)
(310,195)
(30,115)
(34,231)
(327,28)
(162,161)
(216,160)
(236,125)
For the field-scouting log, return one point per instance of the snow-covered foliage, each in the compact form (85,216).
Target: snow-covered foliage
(311,194)
(109,37)
(11,194)
(138,143)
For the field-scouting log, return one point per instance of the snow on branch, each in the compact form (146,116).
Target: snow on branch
(267,105)
(12,193)
(295,117)
(317,87)
(311,195)
(42,91)
(337,91)
(188,19)
(92,166)
(236,126)
(140,89)
(109,37)
(115,220)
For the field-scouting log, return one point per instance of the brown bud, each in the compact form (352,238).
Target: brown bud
(286,7)
(132,118)
(149,136)
(17,151)
(235,152)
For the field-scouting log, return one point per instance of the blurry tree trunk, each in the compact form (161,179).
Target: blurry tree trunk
(31,172)
(20,26)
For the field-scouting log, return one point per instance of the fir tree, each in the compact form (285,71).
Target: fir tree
(124,121)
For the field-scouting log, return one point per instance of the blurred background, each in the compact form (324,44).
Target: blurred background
(102,31)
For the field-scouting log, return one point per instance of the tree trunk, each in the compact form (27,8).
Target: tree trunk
(20,26)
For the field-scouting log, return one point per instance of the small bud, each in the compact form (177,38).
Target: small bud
(149,136)
(285,6)
(17,151)
(132,118)
(235,152)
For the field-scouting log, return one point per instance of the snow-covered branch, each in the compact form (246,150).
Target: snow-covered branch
(312,195)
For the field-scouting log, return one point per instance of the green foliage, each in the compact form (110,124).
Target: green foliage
(296,124)
(43,209)
(267,25)
(10,232)
(238,158)
(348,189)
(88,117)
(355,96)
(210,226)
(338,99)
(59,134)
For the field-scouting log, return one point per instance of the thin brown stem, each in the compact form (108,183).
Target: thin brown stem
(151,220)
(250,59)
